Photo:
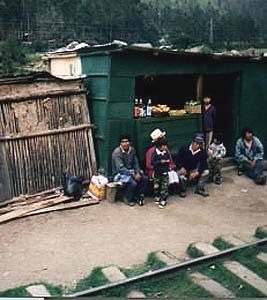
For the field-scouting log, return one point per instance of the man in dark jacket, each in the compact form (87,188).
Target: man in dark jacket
(125,168)
(192,165)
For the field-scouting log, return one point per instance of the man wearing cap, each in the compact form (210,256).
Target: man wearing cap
(192,165)
(156,135)
(125,168)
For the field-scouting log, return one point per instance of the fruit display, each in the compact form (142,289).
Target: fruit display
(177,112)
(160,110)
(193,107)
(192,103)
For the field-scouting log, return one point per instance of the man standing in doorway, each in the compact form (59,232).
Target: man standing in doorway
(249,154)
(208,115)
(125,168)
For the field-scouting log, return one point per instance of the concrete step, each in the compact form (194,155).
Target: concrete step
(246,275)
(262,256)
(166,257)
(135,295)
(211,285)
(38,290)
(204,248)
(113,274)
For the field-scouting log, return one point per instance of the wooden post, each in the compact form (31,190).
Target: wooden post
(5,188)
(200,87)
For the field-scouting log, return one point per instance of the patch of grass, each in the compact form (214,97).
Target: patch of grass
(221,244)
(96,278)
(261,234)
(21,290)
(193,252)
(135,272)
(230,281)
(171,286)
(153,262)
(247,257)
(16,292)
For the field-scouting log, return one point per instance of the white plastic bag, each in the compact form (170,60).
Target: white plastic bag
(173,177)
(97,187)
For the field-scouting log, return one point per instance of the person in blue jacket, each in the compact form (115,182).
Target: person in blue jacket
(249,153)
(192,165)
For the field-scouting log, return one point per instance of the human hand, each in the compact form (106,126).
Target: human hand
(137,177)
(193,175)
(182,171)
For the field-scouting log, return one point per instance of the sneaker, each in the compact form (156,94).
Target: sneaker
(131,203)
(218,181)
(261,180)
(156,200)
(162,204)
(239,172)
(141,200)
(182,194)
(201,191)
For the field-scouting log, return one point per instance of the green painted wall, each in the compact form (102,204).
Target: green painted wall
(111,80)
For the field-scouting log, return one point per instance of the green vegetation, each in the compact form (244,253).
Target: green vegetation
(96,278)
(51,24)
(260,233)
(20,291)
(221,244)
(193,252)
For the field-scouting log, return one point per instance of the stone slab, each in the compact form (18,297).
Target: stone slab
(246,275)
(205,248)
(113,274)
(167,258)
(262,256)
(38,291)
(233,240)
(136,295)
(210,285)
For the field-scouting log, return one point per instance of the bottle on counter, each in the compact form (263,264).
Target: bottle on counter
(136,109)
(141,108)
(149,108)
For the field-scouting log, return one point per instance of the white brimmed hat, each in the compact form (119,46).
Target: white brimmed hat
(157,134)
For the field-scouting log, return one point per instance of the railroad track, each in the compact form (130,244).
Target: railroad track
(210,254)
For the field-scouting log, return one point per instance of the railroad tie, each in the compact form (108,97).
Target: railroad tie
(113,274)
(262,256)
(136,295)
(38,291)
(246,275)
(204,248)
(167,258)
(233,240)
(211,285)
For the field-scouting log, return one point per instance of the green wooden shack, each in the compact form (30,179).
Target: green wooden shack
(118,75)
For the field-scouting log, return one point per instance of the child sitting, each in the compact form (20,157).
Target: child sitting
(160,160)
(216,151)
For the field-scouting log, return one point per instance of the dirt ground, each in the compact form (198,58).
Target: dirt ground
(63,247)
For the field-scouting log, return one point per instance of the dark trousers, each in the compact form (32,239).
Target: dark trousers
(215,168)
(201,180)
(252,172)
(135,189)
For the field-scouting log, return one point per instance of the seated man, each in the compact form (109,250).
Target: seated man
(192,165)
(249,154)
(125,168)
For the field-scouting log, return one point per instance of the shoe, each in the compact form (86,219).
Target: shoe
(218,181)
(156,200)
(182,194)
(131,203)
(261,180)
(239,172)
(141,200)
(201,191)
(162,203)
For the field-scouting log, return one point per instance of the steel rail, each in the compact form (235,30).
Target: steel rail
(167,269)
